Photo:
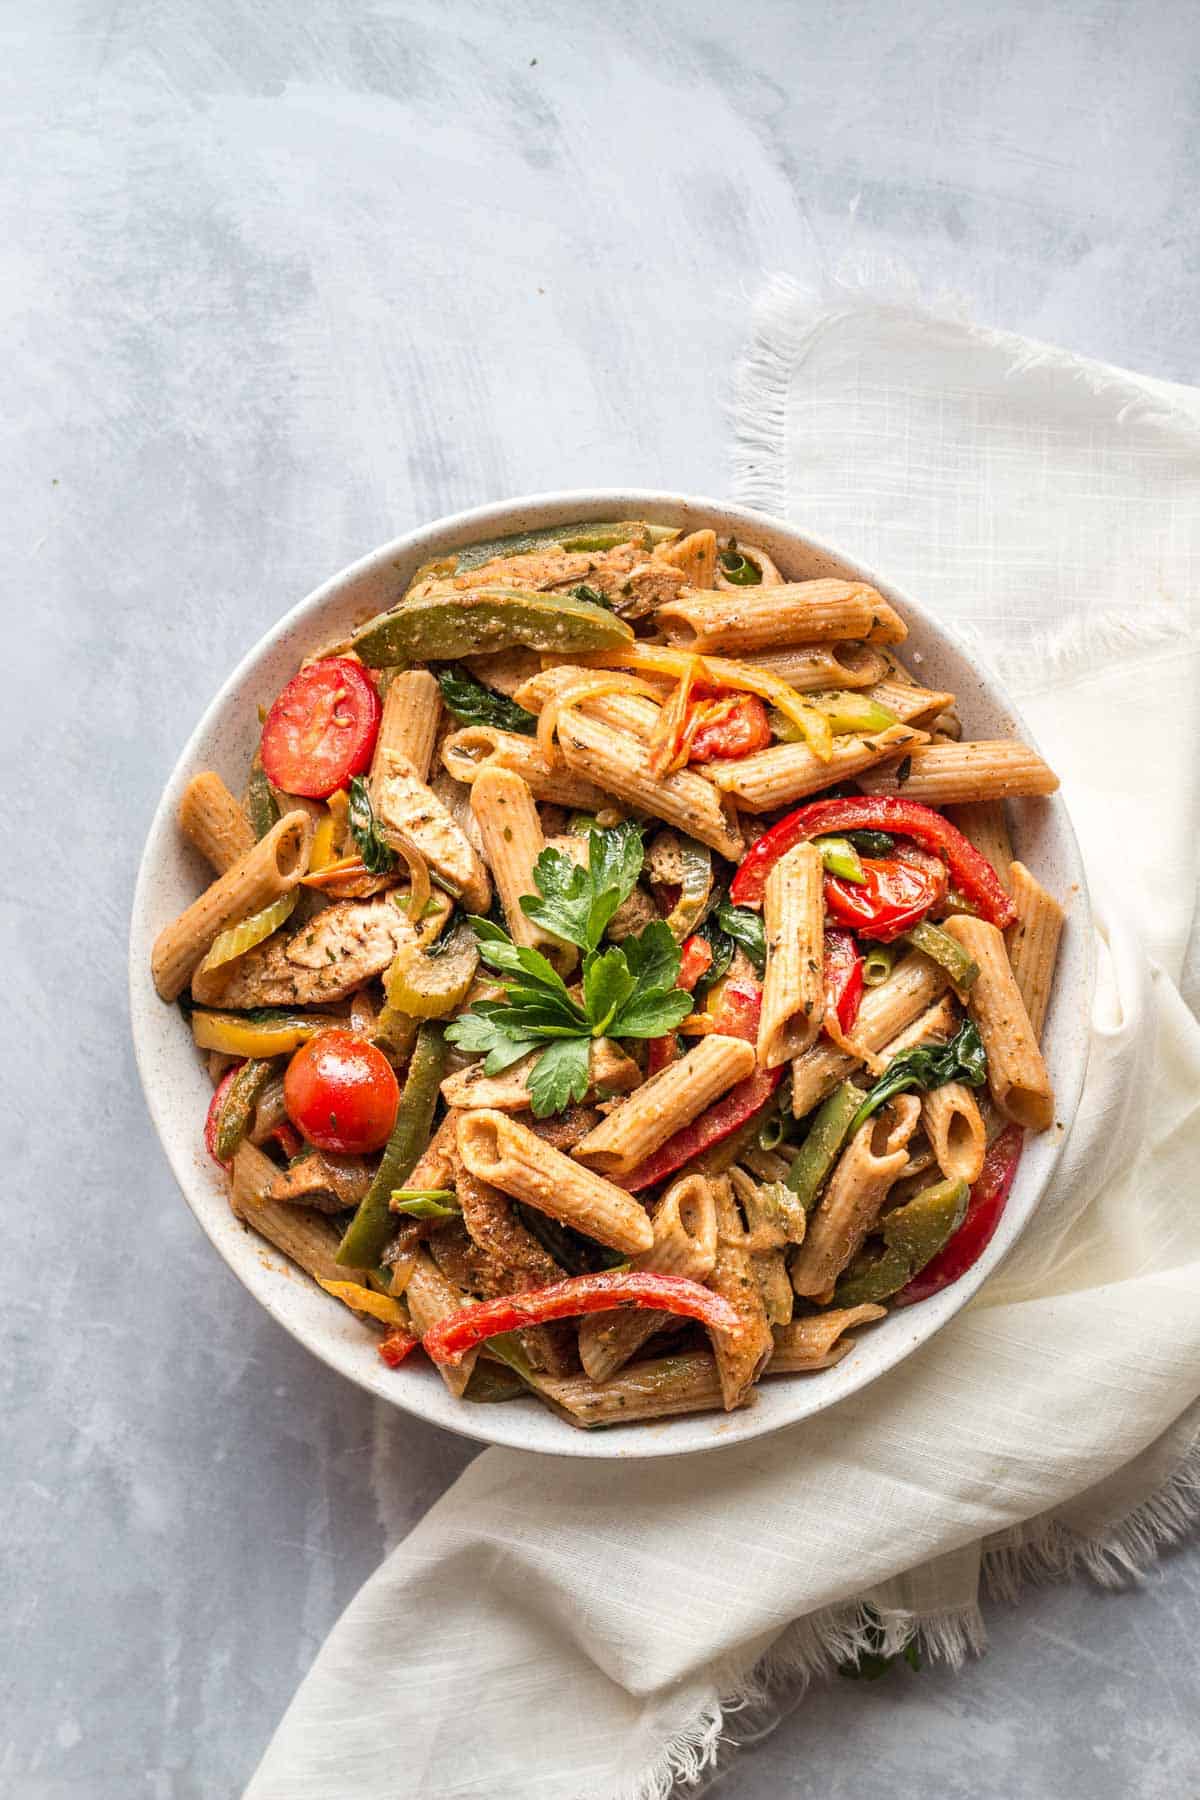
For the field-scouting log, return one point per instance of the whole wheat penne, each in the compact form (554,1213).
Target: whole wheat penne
(912,705)
(211,817)
(858,1187)
(696,555)
(809,1343)
(476,747)
(499,1149)
(936,1025)
(412,712)
(408,810)
(809,667)
(432,1297)
(618,763)
(793,998)
(786,772)
(1033,942)
(800,612)
(271,868)
(512,842)
(1018,1079)
(309,1238)
(685,1243)
(666,1103)
(954,1124)
(741,1352)
(982,769)
(912,985)
(660,1389)
(985,824)
(609,1069)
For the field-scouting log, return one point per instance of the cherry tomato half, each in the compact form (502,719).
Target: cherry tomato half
(321,729)
(897,892)
(733,726)
(341,1094)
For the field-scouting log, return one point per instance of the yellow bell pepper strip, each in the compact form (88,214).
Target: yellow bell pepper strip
(263,1032)
(365,1300)
(367,1235)
(442,626)
(453,1337)
(721,672)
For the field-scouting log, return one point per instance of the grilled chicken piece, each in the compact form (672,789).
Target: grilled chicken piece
(331,956)
(326,1182)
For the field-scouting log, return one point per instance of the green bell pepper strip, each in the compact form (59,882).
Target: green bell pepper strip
(821,1148)
(941,948)
(261,808)
(444,625)
(367,1235)
(694,889)
(847,713)
(913,1234)
(839,857)
(878,961)
(237,1111)
(581,535)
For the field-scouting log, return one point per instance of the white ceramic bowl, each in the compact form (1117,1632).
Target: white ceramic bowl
(178,1090)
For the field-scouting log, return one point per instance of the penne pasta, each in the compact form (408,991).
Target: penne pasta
(272,868)
(696,555)
(412,713)
(985,824)
(818,1341)
(870,1163)
(465,753)
(309,1238)
(912,705)
(408,812)
(685,1243)
(649,1390)
(511,833)
(741,1353)
(810,667)
(212,819)
(793,1002)
(1033,942)
(498,1149)
(758,618)
(885,1011)
(432,1297)
(1018,1079)
(937,774)
(618,763)
(786,772)
(670,1100)
(954,1125)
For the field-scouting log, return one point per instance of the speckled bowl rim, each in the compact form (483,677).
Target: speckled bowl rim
(176,1086)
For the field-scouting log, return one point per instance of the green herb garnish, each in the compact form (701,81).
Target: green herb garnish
(373,847)
(745,928)
(928,1066)
(424,1203)
(627,991)
(474,704)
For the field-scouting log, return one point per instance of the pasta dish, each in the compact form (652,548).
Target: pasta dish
(615,976)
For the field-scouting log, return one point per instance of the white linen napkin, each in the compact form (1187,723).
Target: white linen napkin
(566,1631)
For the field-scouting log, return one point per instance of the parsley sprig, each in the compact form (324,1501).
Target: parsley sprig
(625,991)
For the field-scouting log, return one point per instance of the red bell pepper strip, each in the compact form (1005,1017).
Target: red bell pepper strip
(695,959)
(454,1336)
(288,1139)
(984,1211)
(397,1345)
(972,873)
(732,1111)
(843,977)
(212,1122)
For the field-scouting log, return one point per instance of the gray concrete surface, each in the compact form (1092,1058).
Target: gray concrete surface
(281,278)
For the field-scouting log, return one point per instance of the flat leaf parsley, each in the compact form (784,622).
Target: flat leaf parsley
(625,991)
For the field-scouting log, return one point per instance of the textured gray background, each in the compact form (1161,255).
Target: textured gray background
(282,278)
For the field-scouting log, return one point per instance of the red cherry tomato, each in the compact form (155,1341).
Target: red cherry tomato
(341,1094)
(322,728)
(898,891)
(695,959)
(733,726)
(843,977)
